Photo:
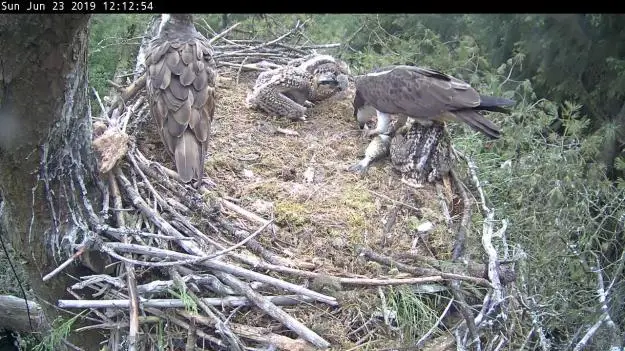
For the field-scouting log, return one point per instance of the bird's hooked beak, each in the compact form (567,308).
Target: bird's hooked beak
(328,78)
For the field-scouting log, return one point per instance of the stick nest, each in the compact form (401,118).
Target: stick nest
(286,250)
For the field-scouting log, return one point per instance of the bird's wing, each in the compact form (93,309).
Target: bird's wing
(181,87)
(284,93)
(416,91)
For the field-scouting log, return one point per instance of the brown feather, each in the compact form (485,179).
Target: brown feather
(174,128)
(198,67)
(157,53)
(154,70)
(201,96)
(200,81)
(187,77)
(164,77)
(189,157)
(172,102)
(175,64)
(181,90)
(178,90)
(183,115)
(186,54)
(199,50)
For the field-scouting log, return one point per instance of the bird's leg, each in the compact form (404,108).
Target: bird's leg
(406,127)
(381,126)
(377,149)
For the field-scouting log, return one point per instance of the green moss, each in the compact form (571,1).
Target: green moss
(292,213)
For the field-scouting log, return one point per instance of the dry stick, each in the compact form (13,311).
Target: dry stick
(469,268)
(220,266)
(119,325)
(182,324)
(419,271)
(261,335)
(257,248)
(193,229)
(191,337)
(274,311)
(131,281)
(143,207)
(461,235)
(97,96)
(233,342)
(222,34)
(164,204)
(487,235)
(394,201)
(252,67)
(63,265)
(128,93)
(95,311)
(245,213)
(228,301)
(255,48)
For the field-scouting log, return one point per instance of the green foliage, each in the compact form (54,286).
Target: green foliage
(413,312)
(113,44)
(60,331)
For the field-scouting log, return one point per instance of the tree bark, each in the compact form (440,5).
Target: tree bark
(45,147)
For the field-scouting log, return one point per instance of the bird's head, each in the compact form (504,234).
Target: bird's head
(171,23)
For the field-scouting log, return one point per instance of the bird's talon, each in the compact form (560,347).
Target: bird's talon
(358,169)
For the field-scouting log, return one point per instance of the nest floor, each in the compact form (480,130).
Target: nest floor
(323,211)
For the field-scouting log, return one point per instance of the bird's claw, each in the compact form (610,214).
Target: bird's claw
(308,104)
(359,169)
(301,118)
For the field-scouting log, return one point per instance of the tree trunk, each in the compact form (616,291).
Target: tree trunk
(45,148)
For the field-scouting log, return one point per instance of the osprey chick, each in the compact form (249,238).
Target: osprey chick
(423,94)
(290,90)
(181,91)
(418,152)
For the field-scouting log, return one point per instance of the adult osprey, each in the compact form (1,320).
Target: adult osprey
(423,94)
(181,91)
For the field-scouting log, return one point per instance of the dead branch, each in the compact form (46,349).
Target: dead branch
(419,271)
(230,301)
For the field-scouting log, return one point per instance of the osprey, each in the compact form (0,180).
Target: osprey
(181,92)
(288,91)
(419,153)
(423,94)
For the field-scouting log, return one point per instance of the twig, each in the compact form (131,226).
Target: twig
(418,271)
(229,301)
(233,342)
(429,333)
(245,213)
(220,266)
(274,311)
(63,265)
(223,34)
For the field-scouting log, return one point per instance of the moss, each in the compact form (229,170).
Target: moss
(292,213)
